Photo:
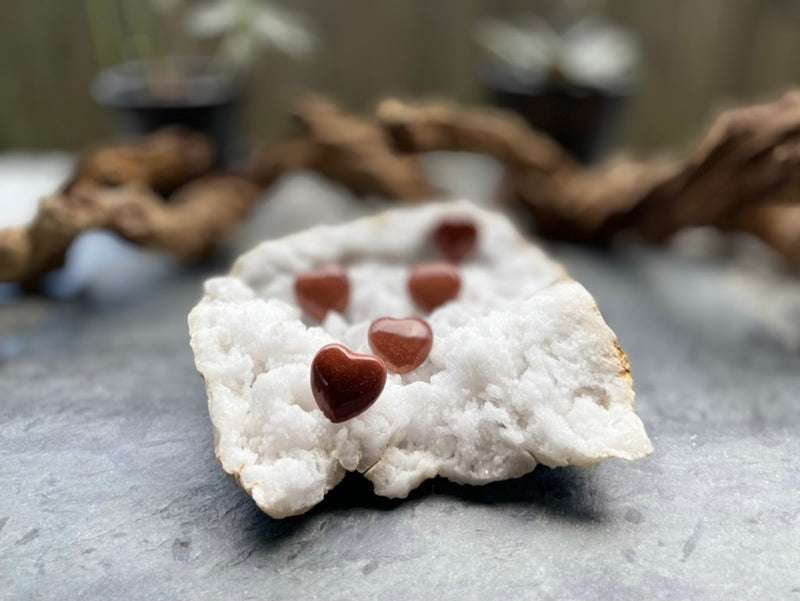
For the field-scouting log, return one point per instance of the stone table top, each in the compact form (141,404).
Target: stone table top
(109,488)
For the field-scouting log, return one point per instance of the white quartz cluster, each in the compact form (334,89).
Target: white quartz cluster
(523,369)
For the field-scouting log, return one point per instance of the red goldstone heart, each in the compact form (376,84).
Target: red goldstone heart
(455,237)
(403,344)
(320,290)
(345,383)
(433,284)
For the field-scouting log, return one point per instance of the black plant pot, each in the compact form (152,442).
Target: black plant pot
(583,120)
(146,96)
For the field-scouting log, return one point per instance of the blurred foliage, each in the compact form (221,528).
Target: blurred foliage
(696,56)
(155,29)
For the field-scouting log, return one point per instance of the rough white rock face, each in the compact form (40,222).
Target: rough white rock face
(523,369)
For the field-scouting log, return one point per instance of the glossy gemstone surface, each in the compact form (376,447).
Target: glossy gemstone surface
(321,290)
(345,383)
(433,284)
(403,344)
(455,237)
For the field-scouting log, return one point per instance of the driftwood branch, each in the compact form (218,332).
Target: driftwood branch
(749,160)
(352,151)
(197,217)
(159,193)
(778,226)
(162,161)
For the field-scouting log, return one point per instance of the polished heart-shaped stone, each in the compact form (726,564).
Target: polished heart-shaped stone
(455,237)
(403,344)
(433,284)
(321,290)
(345,383)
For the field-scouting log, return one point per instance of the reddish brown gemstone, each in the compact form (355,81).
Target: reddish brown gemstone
(403,344)
(345,383)
(433,284)
(455,237)
(321,290)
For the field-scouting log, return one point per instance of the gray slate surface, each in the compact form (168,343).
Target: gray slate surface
(109,487)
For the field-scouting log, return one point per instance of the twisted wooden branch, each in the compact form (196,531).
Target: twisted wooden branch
(126,189)
(158,192)
(162,161)
(744,175)
(349,150)
(750,159)
(197,217)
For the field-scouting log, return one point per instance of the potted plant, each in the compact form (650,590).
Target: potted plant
(191,59)
(569,83)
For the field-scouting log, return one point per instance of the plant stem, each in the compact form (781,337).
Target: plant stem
(99,19)
(141,32)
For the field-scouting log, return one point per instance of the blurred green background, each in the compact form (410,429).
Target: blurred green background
(697,57)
